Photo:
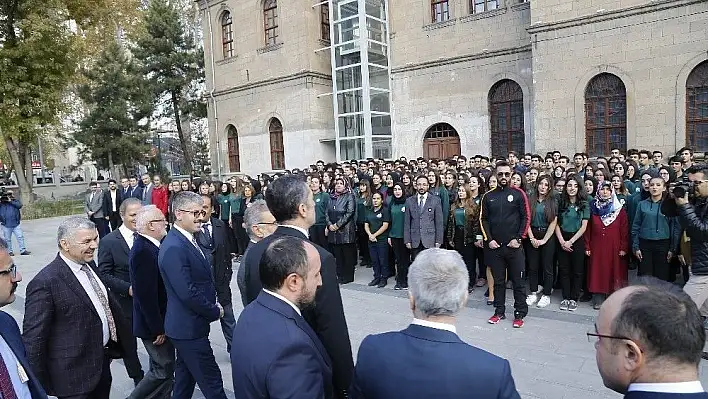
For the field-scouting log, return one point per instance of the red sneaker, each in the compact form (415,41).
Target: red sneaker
(518,323)
(496,318)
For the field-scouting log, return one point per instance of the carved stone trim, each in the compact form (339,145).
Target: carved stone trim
(439,25)
(269,48)
(482,15)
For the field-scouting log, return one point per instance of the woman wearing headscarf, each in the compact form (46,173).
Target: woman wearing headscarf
(607,244)
(401,253)
(341,229)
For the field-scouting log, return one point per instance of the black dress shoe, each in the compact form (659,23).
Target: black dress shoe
(383,282)
(374,282)
(586,297)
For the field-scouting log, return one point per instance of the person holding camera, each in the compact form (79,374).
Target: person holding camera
(10,219)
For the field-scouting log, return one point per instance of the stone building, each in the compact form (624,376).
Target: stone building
(441,77)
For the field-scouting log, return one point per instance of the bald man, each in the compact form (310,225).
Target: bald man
(634,326)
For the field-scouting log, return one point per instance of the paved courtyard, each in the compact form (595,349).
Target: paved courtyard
(550,357)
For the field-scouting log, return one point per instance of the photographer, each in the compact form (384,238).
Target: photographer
(10,220)
(693,215)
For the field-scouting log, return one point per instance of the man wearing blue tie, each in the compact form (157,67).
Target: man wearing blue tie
(191,301)
(17,381)
(648,341)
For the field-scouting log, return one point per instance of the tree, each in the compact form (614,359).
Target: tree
(113,130)
(172,63)
(200,142)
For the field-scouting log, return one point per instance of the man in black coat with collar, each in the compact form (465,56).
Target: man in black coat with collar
(218,245)
(73,326)
(291,203)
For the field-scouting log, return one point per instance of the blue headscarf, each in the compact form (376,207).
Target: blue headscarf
(606,209)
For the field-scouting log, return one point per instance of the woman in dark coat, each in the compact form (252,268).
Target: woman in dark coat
(341,229)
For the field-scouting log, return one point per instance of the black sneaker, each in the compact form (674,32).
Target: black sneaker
(397,287)
(383,282)
(374,282)
(25,253)
(11,253)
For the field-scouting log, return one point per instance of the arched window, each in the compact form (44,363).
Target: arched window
(605,114)
(506,112)
(234,158)
(440,10)
(277,150)
(441,142)
(227,35)
(270,21)
(697,108)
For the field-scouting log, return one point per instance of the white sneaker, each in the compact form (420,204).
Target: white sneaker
(564,304)
(532,298)
(544,301)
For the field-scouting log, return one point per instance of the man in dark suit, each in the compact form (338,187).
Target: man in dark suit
(648,338)
(147,189)
(73,326)
(150,304)
(95,208)
(134,190)
(113,253)
(276,354)
(259,224)
(428,359)
(191,301)
(216,241)
(14,366)
(113,198)
(291,203)
(423,224)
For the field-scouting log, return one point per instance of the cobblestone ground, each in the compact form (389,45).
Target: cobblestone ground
(550,357)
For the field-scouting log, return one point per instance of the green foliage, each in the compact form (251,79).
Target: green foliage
(45,209)
(114,129)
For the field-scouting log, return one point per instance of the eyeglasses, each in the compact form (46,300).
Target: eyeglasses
(196,214)
(273,223)
(595,337)
(12,271)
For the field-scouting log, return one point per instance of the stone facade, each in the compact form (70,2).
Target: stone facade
(444,71)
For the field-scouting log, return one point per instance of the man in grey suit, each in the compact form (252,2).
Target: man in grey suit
(423,223)
(147,190)
(96,209)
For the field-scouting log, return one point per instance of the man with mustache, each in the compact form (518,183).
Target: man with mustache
(16,377)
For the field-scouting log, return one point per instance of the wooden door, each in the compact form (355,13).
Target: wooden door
(441,148)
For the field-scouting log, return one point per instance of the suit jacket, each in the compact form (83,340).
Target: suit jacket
(95,204)
(63,334)
(149,294)
(147,194)
(276,354)
(10,332)
(424,362)
(135,192)
(113,267)
(662,395)
(326,318)
(191,296)
(218,249)
(108,202)
(423,226)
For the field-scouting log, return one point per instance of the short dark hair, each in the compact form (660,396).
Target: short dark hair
(285,195)
(685,149)
(651,316)
(657,152)
(675,158)
(698,168)
(112,181)
(502,164)
(211,199)
(422,177)
(284,256)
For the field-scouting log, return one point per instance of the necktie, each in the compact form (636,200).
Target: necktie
(104,302)
(421,201)
(205,229)
(6,389)
(145,192)
(194,241)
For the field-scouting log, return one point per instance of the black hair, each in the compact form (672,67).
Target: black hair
(285,195)
(284,256)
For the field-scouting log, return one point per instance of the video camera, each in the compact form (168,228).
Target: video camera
(5,194)
(677,189)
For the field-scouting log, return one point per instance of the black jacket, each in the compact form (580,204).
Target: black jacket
(504,215)
(326,317)
(113,268)
(694,221)
(219,248)
(341,212)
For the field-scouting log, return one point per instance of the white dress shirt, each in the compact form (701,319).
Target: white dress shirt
(435,324)
(425,198)
(190,237)
(8,356)
(300,229)
(668,387)
(152,240)
(86,284)
(127,235)
(284,299)
(114,197)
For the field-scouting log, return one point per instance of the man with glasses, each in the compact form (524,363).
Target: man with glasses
(150,304)
(217,243)
(14,366)
(113,269)
(424,220)
(259,224)
(640,352)
(504,216)
(191,301)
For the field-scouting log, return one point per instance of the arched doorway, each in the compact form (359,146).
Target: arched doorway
(506,113)
(441,142)
(605,115)
(697,108)
(234,157)
(277,149)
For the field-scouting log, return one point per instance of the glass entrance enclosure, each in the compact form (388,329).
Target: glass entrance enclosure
(360,78)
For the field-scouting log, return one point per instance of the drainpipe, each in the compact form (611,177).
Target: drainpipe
(211,95)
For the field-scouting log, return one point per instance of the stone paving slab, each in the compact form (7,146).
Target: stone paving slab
(550,357)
